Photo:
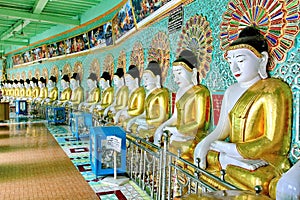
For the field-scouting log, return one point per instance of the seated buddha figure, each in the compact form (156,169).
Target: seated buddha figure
(22,93)
(77,92)
(66,93)
(52,91)
(135,105)
(120,99)
(28,89)
(190,120)
(15,90)
(156,109)
(93,96)
(255,120)
(107,95)
(35,89)
(43,90)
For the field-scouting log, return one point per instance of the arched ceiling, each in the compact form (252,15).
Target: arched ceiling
(22,20)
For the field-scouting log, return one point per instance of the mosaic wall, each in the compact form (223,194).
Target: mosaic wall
(203,23)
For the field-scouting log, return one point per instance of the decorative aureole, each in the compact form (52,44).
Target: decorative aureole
(45,74)
(160,51)
(277,20)
(29,74)
(95,67)
(109,64)
(78,69)
(18,76)
(67,69)
(23,75)
(54,71)
(196,36)
(37,73)
(122,60)
(137,57)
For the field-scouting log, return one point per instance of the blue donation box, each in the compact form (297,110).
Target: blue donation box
(21,107)
(81,123)
(56,114)
(104,141)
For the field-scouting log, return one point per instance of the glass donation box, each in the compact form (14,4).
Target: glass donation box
(56,114)
(81,123)
(101,153)
(21,107)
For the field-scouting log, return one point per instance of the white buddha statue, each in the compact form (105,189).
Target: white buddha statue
(255,120)
(52,91)
(156,104)
(190,120)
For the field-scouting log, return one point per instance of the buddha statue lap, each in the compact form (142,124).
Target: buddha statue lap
(156,109)
(93,96)
(77,92)
(136,99)
(52,91)
(106,96)
(190,120)
(255,120)
(120,96)
(66,93)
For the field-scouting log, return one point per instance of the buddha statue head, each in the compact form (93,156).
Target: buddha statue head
(92,81)
(27,83)
(119,78)
(248,56)
(75,81)
(105,80)
(33,82)
(185,69)
(65,81)
(152,76)
(52,82)
(132,78)
(42,82)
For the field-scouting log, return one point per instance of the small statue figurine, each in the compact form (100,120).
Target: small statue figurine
(94,93)
(43,90)
(77,92)
(136,99)
(52,91)
(190,120)
(120,95)
(156,104)
(107,95)
(66,93)
(255,120)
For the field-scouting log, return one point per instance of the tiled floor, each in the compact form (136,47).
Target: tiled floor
(34,166)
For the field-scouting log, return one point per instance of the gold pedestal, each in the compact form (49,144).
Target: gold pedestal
(4,111)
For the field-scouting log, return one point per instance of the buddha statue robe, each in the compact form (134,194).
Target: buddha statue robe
(52,95)
(22,92)
(107,98)
(261,129)
(77,96)
(65,96)
(156,111)
(35,92)
(193,118)
(93,98)
(121,98)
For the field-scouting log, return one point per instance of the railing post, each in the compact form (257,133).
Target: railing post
(164,164)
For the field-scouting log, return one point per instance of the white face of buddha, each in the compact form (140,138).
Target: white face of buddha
(244,64)
(50,83)
(91,84)
(149,81)
(32,84)
(40,84)
(103,83)
(118,82)
(130,82)
(182,77)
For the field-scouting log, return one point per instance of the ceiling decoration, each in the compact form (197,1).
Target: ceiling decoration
(21,20)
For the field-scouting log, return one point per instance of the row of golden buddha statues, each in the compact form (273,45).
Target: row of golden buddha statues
(251,141)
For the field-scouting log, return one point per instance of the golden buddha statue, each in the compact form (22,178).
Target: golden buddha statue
(28,89)
(43,90)
(255,120)
(35,88)
(120,96)
(52,91)
(66,93)
(106,96)
(94,93)
(190,120)
(136,99)
(77,92)
(16,93)
(156,104)
(22,93)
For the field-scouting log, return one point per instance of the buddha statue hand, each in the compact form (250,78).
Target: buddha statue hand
(158,135)
(99,107)
(226,147)
(248,164)
(130,123)
(176,135)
